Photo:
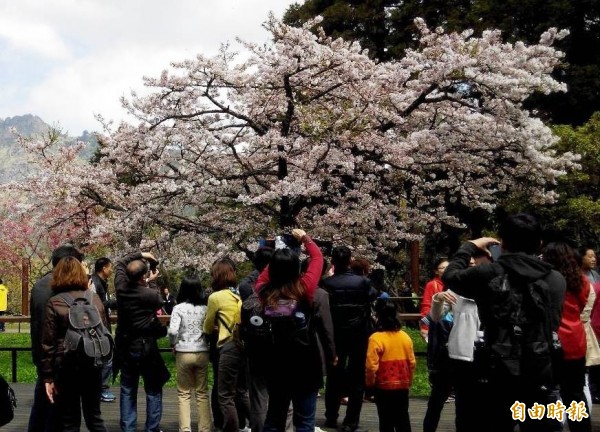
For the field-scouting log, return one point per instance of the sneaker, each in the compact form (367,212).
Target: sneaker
(318,429)
(107,396)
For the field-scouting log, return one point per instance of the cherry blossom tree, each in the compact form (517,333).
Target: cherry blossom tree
(309,131)
(38,214)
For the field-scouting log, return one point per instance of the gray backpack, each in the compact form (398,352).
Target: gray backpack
(87,335)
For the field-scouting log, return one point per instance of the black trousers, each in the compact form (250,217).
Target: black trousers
(43,416)
(594,376)
(214,395)
(392,409)
(572,381)
(441,386)
(348,377)
(232,390)
(470,396)
(503,392)
(78,389)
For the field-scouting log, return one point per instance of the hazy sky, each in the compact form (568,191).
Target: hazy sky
(66,60)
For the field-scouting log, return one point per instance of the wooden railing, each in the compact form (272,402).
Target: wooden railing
(163,319)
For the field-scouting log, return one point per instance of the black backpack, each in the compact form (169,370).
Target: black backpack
(518,331)
(438,359)
(8,402)
(282,327)
(87,336)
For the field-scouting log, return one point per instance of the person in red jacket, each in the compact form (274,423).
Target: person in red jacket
(432,287)
(293,373)
(571,332)
(390,367)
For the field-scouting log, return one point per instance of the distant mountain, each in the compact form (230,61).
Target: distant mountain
(13,163)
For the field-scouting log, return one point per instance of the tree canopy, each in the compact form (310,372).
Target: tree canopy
(386,28)
(309,131)
(575,216)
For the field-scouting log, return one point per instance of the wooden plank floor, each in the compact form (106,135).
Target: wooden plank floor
(169,422)
(110,412)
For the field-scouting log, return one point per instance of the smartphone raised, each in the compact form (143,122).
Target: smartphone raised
(495,251)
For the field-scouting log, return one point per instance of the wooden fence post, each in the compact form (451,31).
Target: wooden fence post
(25,286)
(414,266)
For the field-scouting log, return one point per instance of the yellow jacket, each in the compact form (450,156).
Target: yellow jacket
(3,298)
(224,305)
(390,361)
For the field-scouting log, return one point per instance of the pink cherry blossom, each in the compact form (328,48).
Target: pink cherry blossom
(309,131)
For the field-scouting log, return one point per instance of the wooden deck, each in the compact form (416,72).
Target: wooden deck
(169,422)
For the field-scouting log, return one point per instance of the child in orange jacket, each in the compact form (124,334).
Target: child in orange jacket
(390,368)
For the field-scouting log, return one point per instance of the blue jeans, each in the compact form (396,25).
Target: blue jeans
(141,357)
(129,388)
(106,374)
(305,405)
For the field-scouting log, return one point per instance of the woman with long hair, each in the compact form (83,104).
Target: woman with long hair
(571,331)
(222,317)
(191,352)
(72,380)
(294,371)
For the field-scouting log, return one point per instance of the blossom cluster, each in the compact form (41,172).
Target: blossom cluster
(309,131)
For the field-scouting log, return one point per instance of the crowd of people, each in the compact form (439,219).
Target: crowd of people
(514,336)
(504,334)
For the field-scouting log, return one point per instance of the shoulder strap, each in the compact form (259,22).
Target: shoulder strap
(222,321)
(67,298)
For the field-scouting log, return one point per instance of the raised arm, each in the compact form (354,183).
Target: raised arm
(121,279)
(469,281)
(311,278)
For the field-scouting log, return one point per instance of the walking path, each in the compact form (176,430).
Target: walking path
(110,412)
(169,423)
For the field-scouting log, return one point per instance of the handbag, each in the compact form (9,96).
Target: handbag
(592,355)
(8,402)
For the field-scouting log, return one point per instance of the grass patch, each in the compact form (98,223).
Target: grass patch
(26,372)
(25,369)
(420,385)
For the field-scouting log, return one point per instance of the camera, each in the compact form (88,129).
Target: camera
(281,240)
(290,241)
(151,264)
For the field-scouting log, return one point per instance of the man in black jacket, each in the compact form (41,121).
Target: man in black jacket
(521,239)
(42,416)
(350,298)
(138,329)
(102,271)
(168,299)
